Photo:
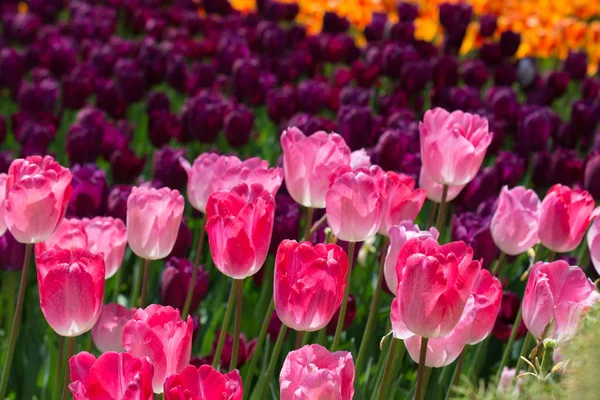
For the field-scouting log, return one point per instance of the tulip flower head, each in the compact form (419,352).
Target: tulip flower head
(3,178)
(203,383)
(250,171)
(593,241)
(435,190)
(70,234)
(108,331)
(108,236)
(400,200)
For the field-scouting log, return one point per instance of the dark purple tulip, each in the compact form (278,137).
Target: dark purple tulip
(333,23)
(153,60)
(219,7)
(455,18)
(35,133)
(12,68)
(230,49)
(561,166)
(39,96)
(58,55)
(116,203)
(2,129)
(21,27)
(157,101)
(202,116)
(183,242)
(557,82)
(287,221)
(505,74)
(245,78)
(115,138)
(177,73)
(407,12)
(162,127)
(176,280)
(203,76)
(245,351)
(348,318)
(534,127)
(271,38)
(130,79)
(509,43)
(474,230)
(274,327)
(126,165)
(355,126)
(584,117)
(403,32)
(311,96)
(103,58)
(390,150)
(310,124)
(486,184)
(6,158)
(342,76)
(487,25)
(354,96)
(511,168)
(90,192)
(238,126)
(281,103)
(375,29)
(459,98)
(509,308)
(590,88)
(591,177)
(365,74)
(502,101)
(77,86)
(47,9)
(84,140)
(166,168)
(576,64)
(474,73)
(415,75)
(110,100)
(491,53)
(12,253)
(445,72)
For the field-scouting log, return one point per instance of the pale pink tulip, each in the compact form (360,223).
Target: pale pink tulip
(360,159)
(108,331)
(250,171)
(435,190)
(108,236)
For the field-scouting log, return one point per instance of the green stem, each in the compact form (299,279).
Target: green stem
(309,218)
(145,283)
(317,225)
(373,310)
(434,207)
(16,322)
(499,263)
(59,363)
(117,281)
(457,373)
(322,337)
(264,381)
(239,297)
(340,323)
(583,256)
(442,213)
(387,374)
(70,347)
(477,356)
(420,391)
(551,255)
(524,350)
(192,286)
(224,327)
(511,340)
(258,348)
(9,289)
(137,281)
(299,338)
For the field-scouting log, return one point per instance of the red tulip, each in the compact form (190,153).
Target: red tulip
(112,376)
(353,204)
(108,236)
(3,178)
(400,200)
(557,294)
(564,218)
(69,235)
(37,194)
(250,171)
(158,333)
(108,331)
(453,145)
(309,283)
(313,372)
(308,162)
(153,218)
(239,226)
(71,285)
(435,190)
(204,383)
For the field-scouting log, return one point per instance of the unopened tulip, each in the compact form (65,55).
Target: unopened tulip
(69,235)
(202,383)
(308,162)
(250,171)
(309,283)
(434,190)
(354,205)
(37,194)
(153,218)
(108,331)
(158,333)
(400,200)
(115,376)
(71,285)
(399,235)
(239,226)
(108,236)
(557,294)
(564,217)
(3,178)
(593,242)
(313,372)
(514,225)
(453,145)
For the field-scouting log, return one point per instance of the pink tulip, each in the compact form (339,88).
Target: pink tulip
(37,194)
(354,204)
(435,190)
(108,331)
(400,234)
(204,383)
(108,236)
(557,293)
(153,218)
(158,333)
(309,283)
(3,178)
(565,216)
(593,240)
(400,200)
(482,307)
(69,235)
(360,159)
(308,163)
(434,285)
(112,376)
(250,171)
(441,351)
(313,372)
(453,145)
(514,226)
(71,285)
(239,226)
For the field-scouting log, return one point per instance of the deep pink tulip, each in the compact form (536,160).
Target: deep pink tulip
(201,175)
(400,200)
(453,145)
(112,376)
(560,293)
(400,234)
(309,283)
(3,178)
(108,331)
(435,190)
(158,333)
(71,285)
(37,194)
(565,216)
(108,236)
(153,218)
(354,204)
(434,285)
(204,383)
(250,171)
(313,372)
(308,162)
(482,307)
(514,226)
(239,226)
(593,241)
(69,235)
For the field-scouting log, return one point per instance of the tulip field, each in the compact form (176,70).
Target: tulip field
(299,199)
